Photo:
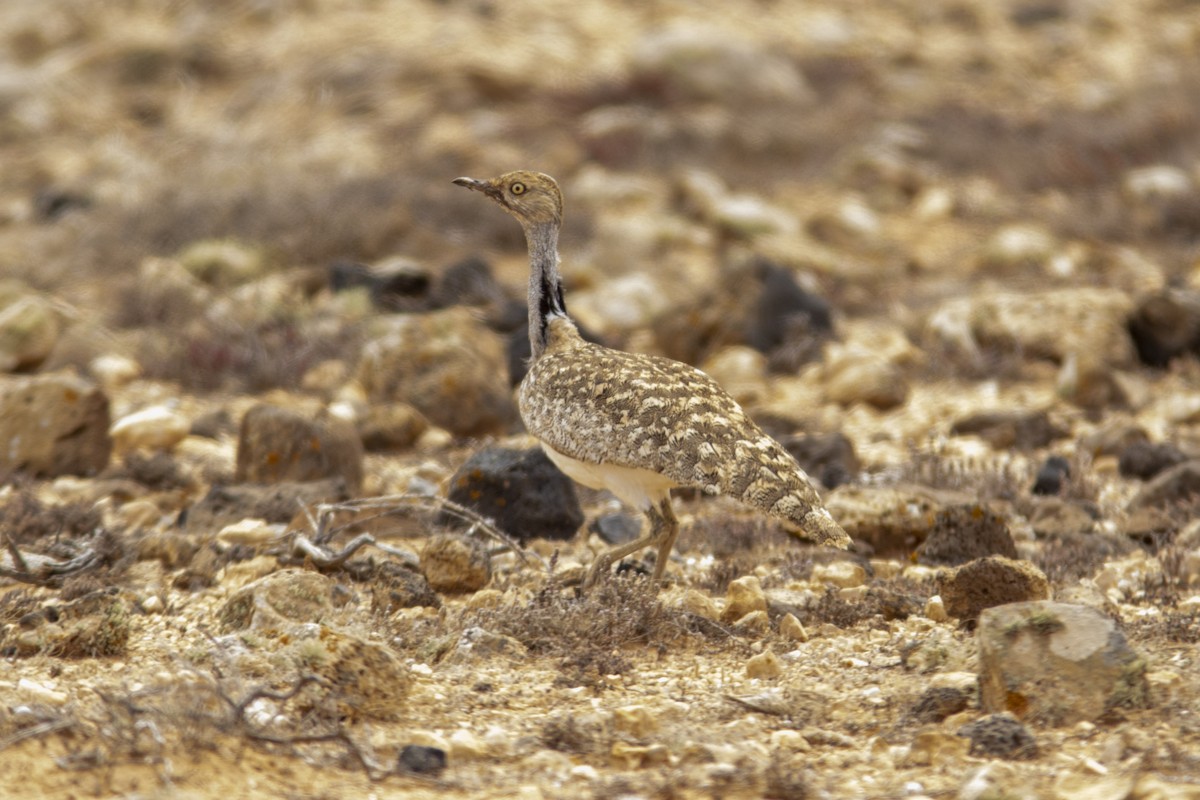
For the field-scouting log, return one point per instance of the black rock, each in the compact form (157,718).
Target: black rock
(469,282)
(787,323)
(616,528)
(392,287)
(345,275)
(829,457)
(1165,326)
(521,490)
(965,533)
(1000,736)
(421,759)
(1143,460)
(1051,475)
(50,204)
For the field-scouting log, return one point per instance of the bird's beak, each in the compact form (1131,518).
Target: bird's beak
(479,186)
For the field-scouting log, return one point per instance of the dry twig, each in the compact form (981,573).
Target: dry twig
(316,549)
(45,571)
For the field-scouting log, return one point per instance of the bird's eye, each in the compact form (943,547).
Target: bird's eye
(517,188)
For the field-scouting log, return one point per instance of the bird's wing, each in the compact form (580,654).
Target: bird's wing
(605,406)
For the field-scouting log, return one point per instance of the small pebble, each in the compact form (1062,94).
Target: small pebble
(249,532)
(791,628)
(935,609)
(422,760)
(697,602)
(756,623)
(843,574)
(637,721)
(743,596)
(764,665)
(38,693)
(1051,476)
(465,746)
(154,428)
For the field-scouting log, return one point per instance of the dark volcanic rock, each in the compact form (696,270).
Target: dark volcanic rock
(786,323)
(398,286)
(617,528)
(758,304)
(521,490)
(276,445)
(1144,460)
(1051,476)
(1165,326)
(421,759)
(53,425)
(396,586)
(828,457)
(964,533)
(987,582)
(469,282)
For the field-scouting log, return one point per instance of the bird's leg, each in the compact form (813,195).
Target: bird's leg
(663,530)
(668,529)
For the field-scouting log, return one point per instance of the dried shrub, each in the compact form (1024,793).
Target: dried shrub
(731,532)
(890,601)
(1068,557)
(575,733)
(249,357)
(988,478)
(1065,149)
(158,471)
(589,631)
(25,520)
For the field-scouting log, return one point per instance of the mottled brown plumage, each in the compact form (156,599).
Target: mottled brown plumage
(637,424)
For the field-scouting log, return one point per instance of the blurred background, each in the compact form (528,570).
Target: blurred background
(887,155)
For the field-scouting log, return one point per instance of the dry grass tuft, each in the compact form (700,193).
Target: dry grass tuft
(248,357)
(25,520)
(589,631)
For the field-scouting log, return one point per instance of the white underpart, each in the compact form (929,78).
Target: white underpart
(638,488)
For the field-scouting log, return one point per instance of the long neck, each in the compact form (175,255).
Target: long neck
(545,284)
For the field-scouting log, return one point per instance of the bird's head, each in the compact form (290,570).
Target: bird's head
(531,197)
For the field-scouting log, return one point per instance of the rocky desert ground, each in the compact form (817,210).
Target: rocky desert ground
(272,526)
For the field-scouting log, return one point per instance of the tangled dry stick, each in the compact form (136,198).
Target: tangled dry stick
(316,550)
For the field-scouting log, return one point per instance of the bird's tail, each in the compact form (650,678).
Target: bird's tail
(776,484)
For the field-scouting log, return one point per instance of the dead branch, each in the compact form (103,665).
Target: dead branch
(44,571)
(392,505)
(325,559)
(33,731)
